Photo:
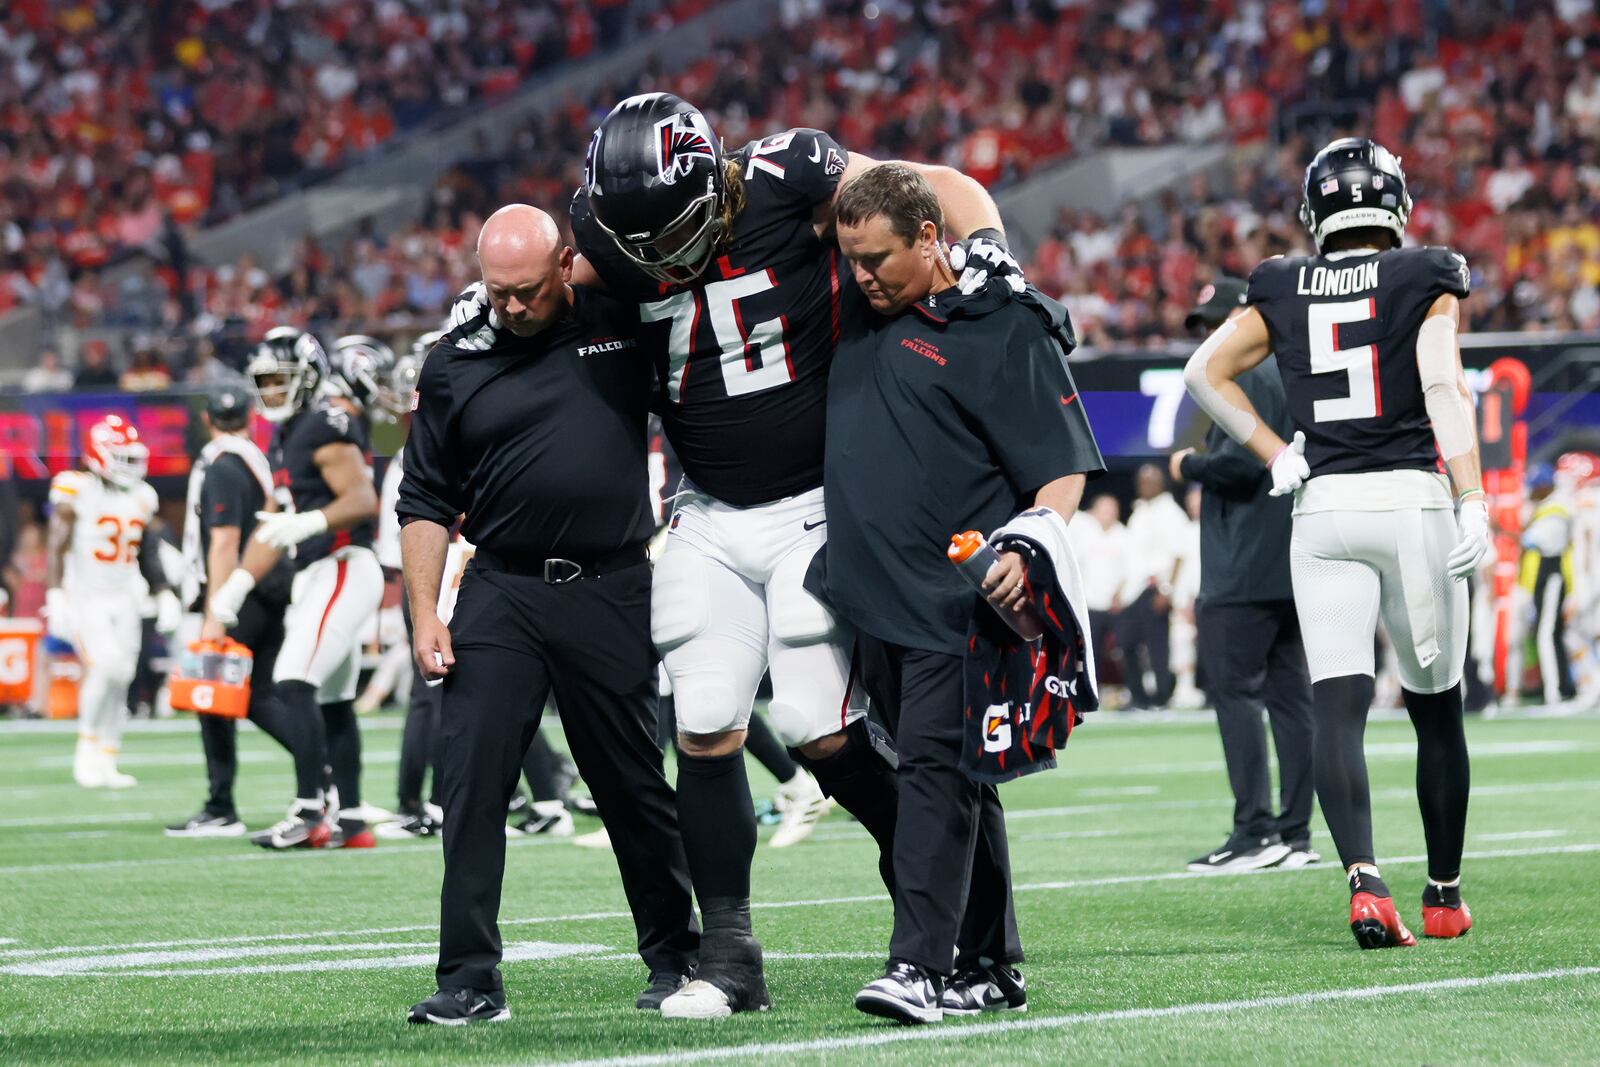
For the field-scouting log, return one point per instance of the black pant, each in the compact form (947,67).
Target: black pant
(1257,658)
(1550,631)
(952,867)
(516,639)
(1141,629)
(260,629)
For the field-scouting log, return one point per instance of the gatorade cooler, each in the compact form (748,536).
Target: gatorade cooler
(212,678)
(19,645)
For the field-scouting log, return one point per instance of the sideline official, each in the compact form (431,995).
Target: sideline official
(230,482)
(1249,631)
(530,419)
(946,412)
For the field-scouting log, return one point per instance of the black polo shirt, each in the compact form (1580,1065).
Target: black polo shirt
(947,417)
(539,441)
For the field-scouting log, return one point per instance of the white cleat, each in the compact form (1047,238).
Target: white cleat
(697,1000)
(597,839)
(803,805)
(112,778)
(88,769)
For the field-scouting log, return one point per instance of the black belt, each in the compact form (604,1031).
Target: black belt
(559,571)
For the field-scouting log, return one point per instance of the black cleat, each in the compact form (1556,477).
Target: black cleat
(1242,854)
(662,985)
(978,989)
(906,993)
(207,824)
(458,1007)
(729,979)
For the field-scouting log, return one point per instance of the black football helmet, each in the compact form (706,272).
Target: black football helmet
(1351,183)
(654,181)
(362,371)
(286,371)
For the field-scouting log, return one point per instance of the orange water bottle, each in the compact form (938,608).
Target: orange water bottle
(973,555)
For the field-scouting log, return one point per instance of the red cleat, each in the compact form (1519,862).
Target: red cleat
(1376,923)
(319,835)
(359,839)
(1445,921)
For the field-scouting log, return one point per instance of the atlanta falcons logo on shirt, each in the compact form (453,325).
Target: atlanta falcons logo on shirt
(679,140)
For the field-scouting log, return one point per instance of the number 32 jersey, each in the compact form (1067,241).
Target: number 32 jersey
(744,351)
(1344,329)
(108,527)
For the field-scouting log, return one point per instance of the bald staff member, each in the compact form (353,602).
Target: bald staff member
(530,420)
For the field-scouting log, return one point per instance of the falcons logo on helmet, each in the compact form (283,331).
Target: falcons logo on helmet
(679,140)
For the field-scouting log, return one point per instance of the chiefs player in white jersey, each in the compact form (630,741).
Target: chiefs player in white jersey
(99,572)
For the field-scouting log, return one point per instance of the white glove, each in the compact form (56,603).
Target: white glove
(978,259)
(169,613)
(1473,521)
(229,596)
(1289,468)
(57,615)
(285,529)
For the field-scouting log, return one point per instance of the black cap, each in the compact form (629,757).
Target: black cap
(1217,302)
(229,405)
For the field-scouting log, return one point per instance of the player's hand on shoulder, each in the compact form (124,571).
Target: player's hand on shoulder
(984,256)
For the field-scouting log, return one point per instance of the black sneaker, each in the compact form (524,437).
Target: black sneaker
(906,993)
(662,985)
(304,827)
(458,1007)
(416,824)
(992,988)
(207,824)
(1242,854)
(1301,854)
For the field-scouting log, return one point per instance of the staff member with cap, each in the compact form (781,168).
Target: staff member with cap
(1249,633)
(530,419)
(947,411)
(229,483)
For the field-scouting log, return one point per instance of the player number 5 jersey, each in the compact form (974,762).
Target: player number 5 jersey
(1344,329)
(106,533)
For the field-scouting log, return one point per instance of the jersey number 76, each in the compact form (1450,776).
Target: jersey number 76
(1364,399)
(752,360)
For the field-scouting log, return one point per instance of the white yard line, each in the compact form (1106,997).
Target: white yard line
(959,1032)
(816,902)
(1522,835)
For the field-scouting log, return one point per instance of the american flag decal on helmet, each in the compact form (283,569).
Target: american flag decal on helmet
(679,140)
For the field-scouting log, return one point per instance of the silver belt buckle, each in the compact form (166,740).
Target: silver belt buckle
(561,571)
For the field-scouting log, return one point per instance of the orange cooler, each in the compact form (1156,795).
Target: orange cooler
(212,678)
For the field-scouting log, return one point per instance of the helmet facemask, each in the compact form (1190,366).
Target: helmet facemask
(682,249)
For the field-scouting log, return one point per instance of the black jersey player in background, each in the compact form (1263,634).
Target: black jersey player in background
(731,262)
(1365,337)
(320,466)
(229,483)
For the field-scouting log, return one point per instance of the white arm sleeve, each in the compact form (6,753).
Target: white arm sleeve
(1437,364)
(1236,422)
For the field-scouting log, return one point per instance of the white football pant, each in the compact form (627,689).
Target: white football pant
(329,606)
(107,630)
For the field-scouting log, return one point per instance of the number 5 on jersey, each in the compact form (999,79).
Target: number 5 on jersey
(1360,364)
(752,360)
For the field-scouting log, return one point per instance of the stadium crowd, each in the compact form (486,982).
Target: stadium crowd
(119,121)
(1461,94)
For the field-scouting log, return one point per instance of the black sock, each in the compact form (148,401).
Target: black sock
(763,744)
(863,782)
(1444,777)
(718,825)
(1367,881)
(1340,766)
(304,718)
(344,758)
(1441,896)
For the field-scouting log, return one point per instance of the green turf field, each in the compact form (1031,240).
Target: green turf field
(127,947)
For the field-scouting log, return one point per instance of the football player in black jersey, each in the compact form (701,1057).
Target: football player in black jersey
(320,466)
(731,261)
(1365,336)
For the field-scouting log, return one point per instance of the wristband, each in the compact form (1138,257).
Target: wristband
(1462,499)
(989,233)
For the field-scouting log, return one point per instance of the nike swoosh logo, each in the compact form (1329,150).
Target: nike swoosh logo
(1216,857)
(816,151)
(814,525)
(483,1002)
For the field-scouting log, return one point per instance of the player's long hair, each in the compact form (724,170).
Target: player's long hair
(732,198)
